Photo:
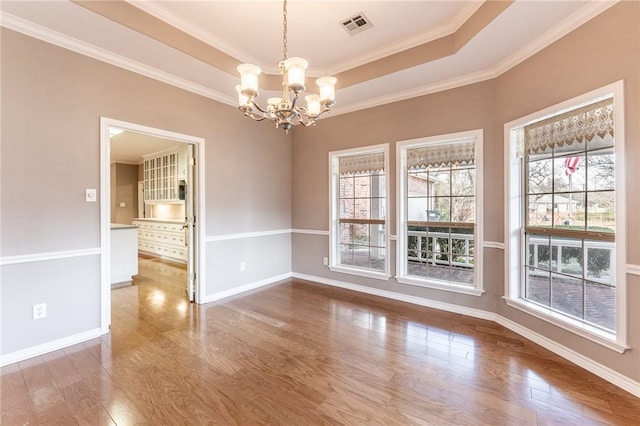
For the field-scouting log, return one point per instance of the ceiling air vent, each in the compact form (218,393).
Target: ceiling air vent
(356,24)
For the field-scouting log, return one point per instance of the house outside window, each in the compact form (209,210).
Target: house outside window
(566,175)
(440,212)
(358,231)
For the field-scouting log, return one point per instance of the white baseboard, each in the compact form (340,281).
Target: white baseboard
(247,287)
(588,364)
(44,348)
(476,313)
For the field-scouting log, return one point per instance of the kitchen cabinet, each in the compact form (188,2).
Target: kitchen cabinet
(162,175)
(164,238)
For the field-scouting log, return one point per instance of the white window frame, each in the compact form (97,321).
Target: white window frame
(402,223)
(514,235)
(334,213)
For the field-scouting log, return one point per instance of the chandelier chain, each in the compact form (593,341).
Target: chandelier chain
(284,30)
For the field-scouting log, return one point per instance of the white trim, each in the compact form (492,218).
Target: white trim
(51,346)
(247,287)
(334,215)
(585,14)
(513,214)
(442,285)
(588,364)
(576,327)
(247,235)
(310,231)
(54,255)
(105,196)
(602,371)
(369,273)
(477,136)
(633,269)
(62,40)
(493,244)
(15,23)
(443,306)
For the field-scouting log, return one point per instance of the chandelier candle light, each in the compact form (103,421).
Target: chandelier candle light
(284,111)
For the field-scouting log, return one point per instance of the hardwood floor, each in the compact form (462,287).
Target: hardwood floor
(298,353)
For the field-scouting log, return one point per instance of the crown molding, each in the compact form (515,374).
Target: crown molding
(588,12)
(162,13)
(61,40)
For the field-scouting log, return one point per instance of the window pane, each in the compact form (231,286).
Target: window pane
(346,187)
(362,187)
(361,234)
(539,210)
(417,208)
(568,256)
(441,182)
(346,254)
(441,208)
(377,208)
(346,233)
(538,286)
(600,305)
(378,185)
(601,170)
(569,211)
(538,251)
(600,261)
(570,208)
(567,295)
(539,176)
(463,209)
(601,211)
(362,208)
(347,208)
(463,182)
(462,275)
(377,235)
(569,173)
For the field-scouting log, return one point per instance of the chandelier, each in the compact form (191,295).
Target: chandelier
(285,111)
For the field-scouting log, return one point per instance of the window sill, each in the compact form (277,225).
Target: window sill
(601,337)
(440,285)
(360,272)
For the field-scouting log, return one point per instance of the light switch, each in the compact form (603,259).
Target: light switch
(122,204)
(91,195)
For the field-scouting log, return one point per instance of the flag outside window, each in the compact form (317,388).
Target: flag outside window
(571,165)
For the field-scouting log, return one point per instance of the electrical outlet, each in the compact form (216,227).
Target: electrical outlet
(325,261)
(243,266)
(39,311)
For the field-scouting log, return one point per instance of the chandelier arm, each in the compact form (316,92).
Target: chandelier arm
(254,104)
(254,116)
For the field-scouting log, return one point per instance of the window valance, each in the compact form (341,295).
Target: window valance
(583,124)
(453,153)
(362,163)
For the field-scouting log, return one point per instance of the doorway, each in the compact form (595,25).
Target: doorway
(176,194)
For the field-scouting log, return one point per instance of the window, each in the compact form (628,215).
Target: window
(440,210)
(358,212)
(566,178)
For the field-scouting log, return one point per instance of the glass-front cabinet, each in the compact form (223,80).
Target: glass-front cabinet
(161,176)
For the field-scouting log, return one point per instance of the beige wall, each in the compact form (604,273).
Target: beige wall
(52,101)
(124,189)
(600,52)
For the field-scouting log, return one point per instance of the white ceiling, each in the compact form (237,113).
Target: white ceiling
(252,31)
(130,147)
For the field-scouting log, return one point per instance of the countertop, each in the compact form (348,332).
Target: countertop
(148,219)
(121,226)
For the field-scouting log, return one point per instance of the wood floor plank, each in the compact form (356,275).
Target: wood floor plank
(300,353)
